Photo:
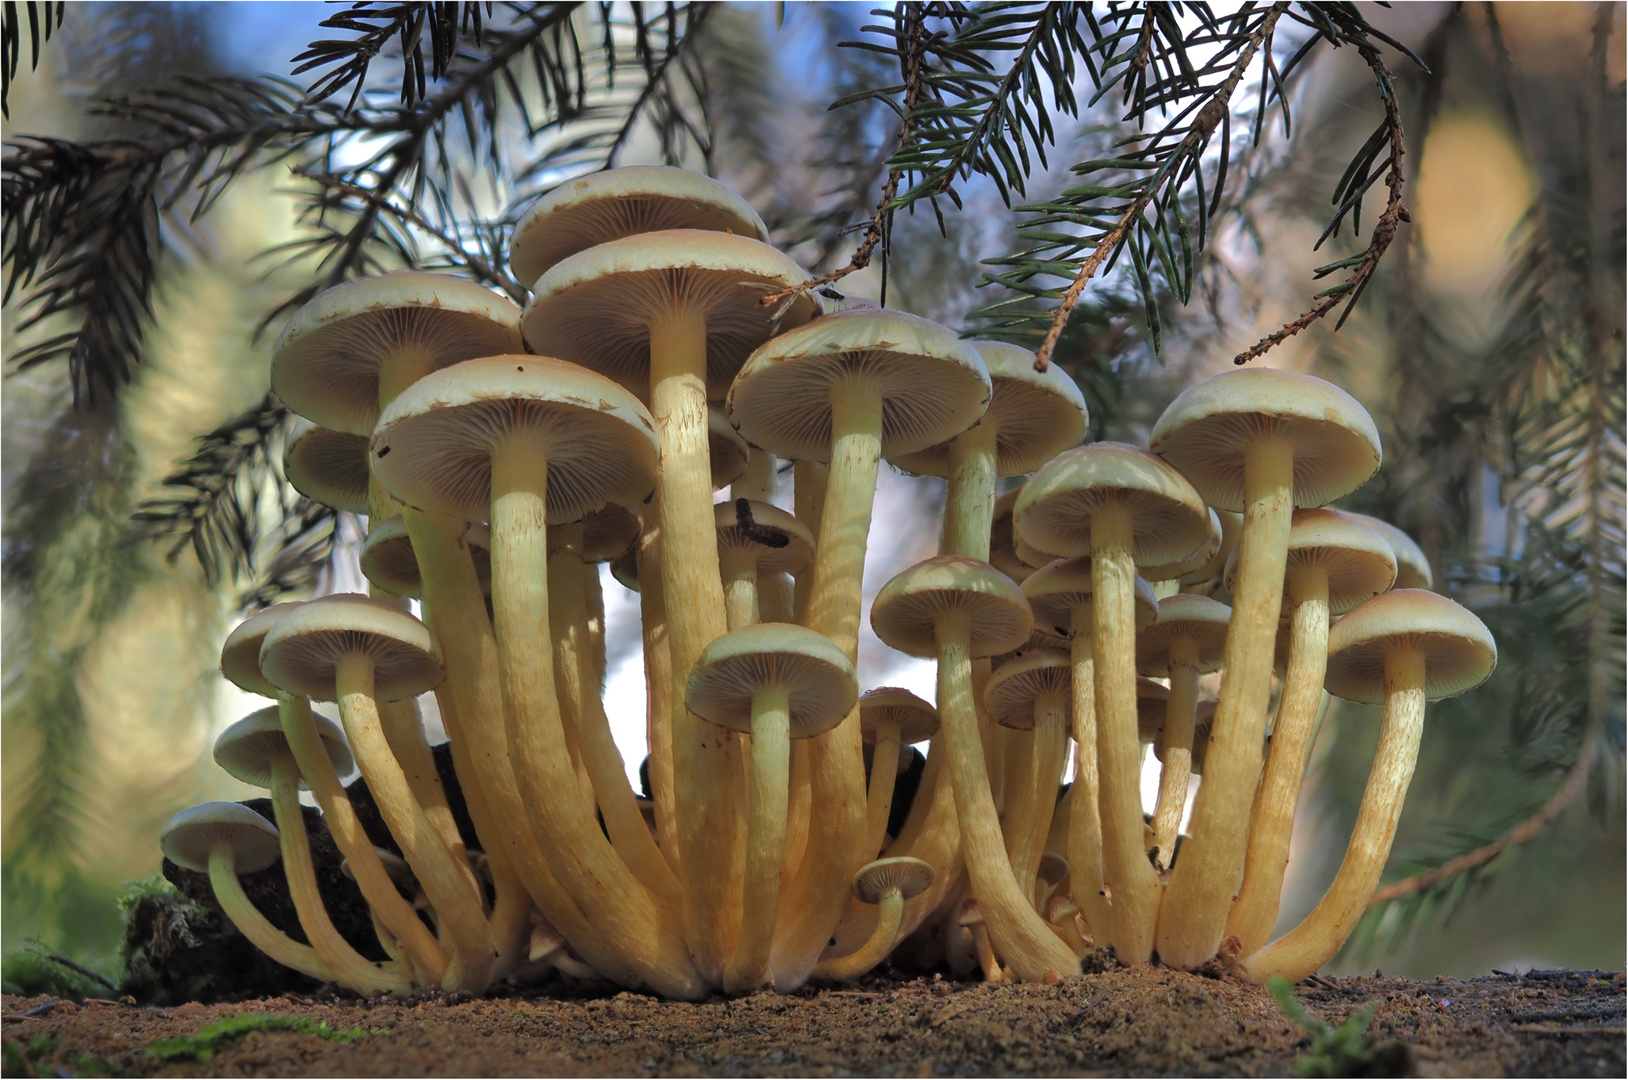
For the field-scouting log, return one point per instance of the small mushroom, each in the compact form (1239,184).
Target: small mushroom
(886,883)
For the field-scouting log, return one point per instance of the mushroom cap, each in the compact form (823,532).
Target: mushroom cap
(1016,685)
(1036,415)
(1029,555)
(1203,722)
(1054,512)
(1199,558)
(329,467)
(1359,561)
(325,365)
(1232,527)
(595,307)
(305,645)
(187,838)
(240,655)
(933,385)
(1458,649)
(1184,615)
(389,562)
(1205,431)
(915,718)
(911,877)
(905,611)
(1053,867)
(1002,553)
(1041,639)
(433,447)
(1057,588)
(246,749)
(782,542)
(395,867)
(1060,907)
(1412,568)
(727,453)
(970,914)
(606,533)
(818,678)
(625,569)
(603,206)
(1151,698)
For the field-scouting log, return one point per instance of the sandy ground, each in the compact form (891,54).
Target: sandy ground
(1117,1022)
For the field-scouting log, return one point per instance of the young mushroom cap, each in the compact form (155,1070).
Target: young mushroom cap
(1151,699)
(1232,526)
(1010,694)
(1053,867)
(727,453)
(1054,513)
(604,206)
(1062,585)
(1201,557)
(389,562)
(1003,555)
(1412,568)
(1184,615)
(607,533)
(933,385)
(904,613)
(1205,430)
(915,718)
(246,749)
(327,363)
(1459,652)
(328,466)
(1036,415)
(911,877)
(1359,561)
(240,656)
(782,542)
(401,874)
(434,444)
(301,651)
(818,679)
(595,308)
(187,838)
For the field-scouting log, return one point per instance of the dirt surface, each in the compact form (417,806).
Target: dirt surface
(1118,1022)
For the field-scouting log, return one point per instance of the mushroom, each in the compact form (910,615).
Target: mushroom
(956,609)
(255,751)
(1335,562)
(329,467)
(888,719)
(1262,442)
(223,839)
(240,664)
(1124,507)
(1412,568)
(1060,596)
(1063,914)
(673,315)
(1033,693)
(1186,640)
(1402,648)
(525,441)
(1166,580)
(887,884)
(359,651)
(1002,553)
(389,562)
(755,538)
(971,918)
(849,388)
(775,682)
(1206,578)
(1053,870)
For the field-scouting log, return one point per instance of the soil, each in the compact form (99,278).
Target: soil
(1113,1021)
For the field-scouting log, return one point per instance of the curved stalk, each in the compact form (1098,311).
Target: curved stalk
(889,913)
(255,926)
(404,731)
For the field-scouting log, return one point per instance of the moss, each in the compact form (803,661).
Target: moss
(202,1046)
(1342,1051)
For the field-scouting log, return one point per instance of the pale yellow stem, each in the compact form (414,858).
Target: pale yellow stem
(799,812)
(658,677)
(255,926)
(1177,743)
(404,731)
(810,479)
(879,796)
(889,913)
(739,569)
(766,839)
(1085,814)
(1030,823)
(969,504)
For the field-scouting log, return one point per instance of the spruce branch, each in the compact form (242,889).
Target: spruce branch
(43,20)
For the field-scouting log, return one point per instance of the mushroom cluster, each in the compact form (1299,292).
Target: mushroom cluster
(668,353)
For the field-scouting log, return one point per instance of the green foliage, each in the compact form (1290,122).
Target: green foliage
(202,1046)
(33,970)
(24,1057)
(1341,1051)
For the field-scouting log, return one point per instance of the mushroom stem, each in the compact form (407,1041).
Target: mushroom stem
(449,885)
(1029,946)
(1200,894)
(760,480)
(1085,813)
(404,731)
(1255,911)
(748,968)
(879,798)
(470,650)
(1033,814)
(425,955)
(809,482)
(255,926)
(799,812)
(1315,941)
(1180,712)
(349,967)
(889,914)
(1132,881)
(658,677)
(739,569)
(836,762)
(703,788)
(969,504)
(644,934)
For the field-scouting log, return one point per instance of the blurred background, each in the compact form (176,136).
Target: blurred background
(1489,349)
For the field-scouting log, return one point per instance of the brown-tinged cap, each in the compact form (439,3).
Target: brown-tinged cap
(911,877)
(326,365)
(603,206)
(1169,520)
(817,676)
(607,533)
(1016,685)
(1412,568)
(1057,588)
(1232,526)
(915,719)
(187,838)
(727,453)
(1151,698)
(434,445)
(1201,557)
(1458,649)
(783,543)
(246,749)
(1205,431)
(389,562)
(329,467)
(933,385)
(1196,618)
(1002,553)
(240,656)
(904,612)
(1359,562)
(1053,867)
(304,647)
